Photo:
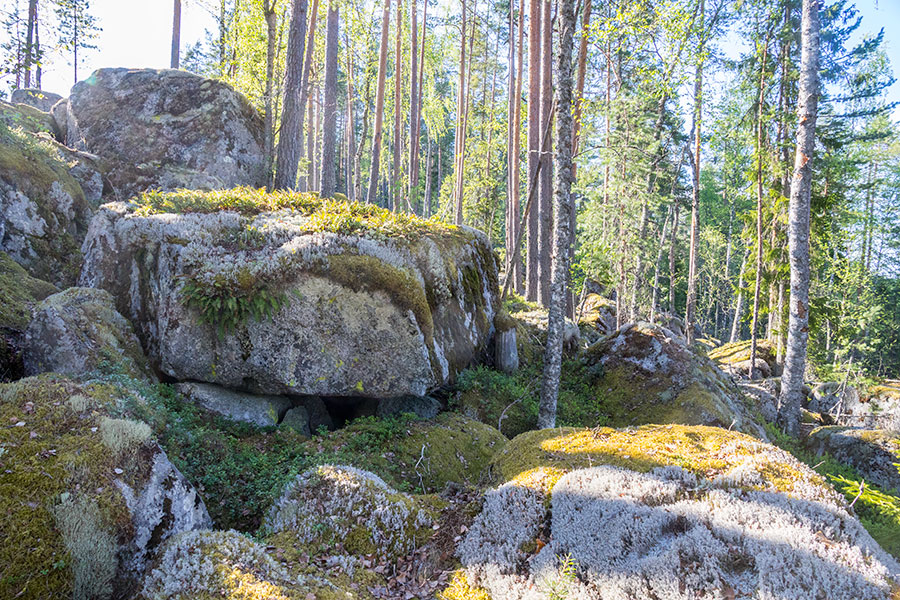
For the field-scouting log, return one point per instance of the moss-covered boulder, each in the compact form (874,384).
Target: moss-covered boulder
(869,407)
(166,129)
(44,212)
(643,375)
(734,358)
(596,316)
(19,294)
(87,494)
(338,505)
(873,453)
(421,456)
(285,293)
(667,512)
(77,332)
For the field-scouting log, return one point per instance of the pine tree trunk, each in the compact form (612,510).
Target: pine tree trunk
(798,223)
(351,180)
(398,107)
(460,122)
(759,210)
(30,57)
(176,33)
(518,271)
(562,208)
(738,308)
(672,260)
(534,144)
(512,155)
(426,208)
(290,140)
(305,89)
(413,168)
(654,301)
(690,305)
(271,32)
(545,199)
(329,115)
(372,193)
(579,85)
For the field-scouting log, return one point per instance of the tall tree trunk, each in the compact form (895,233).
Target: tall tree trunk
(290,140)
(672,260)
(759,209)
(426,208)
(545,199)
(518,271)
(739,304)
(37,52)
(654,301)
(460,119)
(798,222)
(412,198)
(305,89)
(176,33)
(29,40)
(351,172)
(534,144)
(690,305)
(271,33)
(379,103)
(329,115)
(579,85)
(562,208)
(364,134)
(398,108)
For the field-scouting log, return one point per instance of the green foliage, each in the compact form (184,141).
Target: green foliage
(878,510)
(225,305)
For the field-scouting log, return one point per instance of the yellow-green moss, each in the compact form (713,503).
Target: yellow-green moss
(49,449)
(18,293)
(738,352)
(539,458)
(459,588)
(27,117)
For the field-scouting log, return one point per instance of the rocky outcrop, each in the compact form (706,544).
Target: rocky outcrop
(78,332)
(328,298)
(165,129)
(877,407)
(44,210)
(38,99)
(873,453)
(262,411)
(19,294)
(85,497)
(734,359)
(643,375)
(667,513)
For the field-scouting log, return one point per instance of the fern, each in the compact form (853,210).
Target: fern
(227,307)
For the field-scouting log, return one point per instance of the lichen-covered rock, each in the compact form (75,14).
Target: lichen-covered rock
(44,213)
(669,513)
(85,496)
(262,411)
(39,99)
(321,297)
(734,358)
(166,129)
(877,407)
(597,316)
(422,407)
(77,332)
(297,418)
(646,376)
(873,453)
(330,505)
(19,294)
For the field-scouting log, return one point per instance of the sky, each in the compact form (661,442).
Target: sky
(137,33)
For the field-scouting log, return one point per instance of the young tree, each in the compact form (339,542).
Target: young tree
(534,145)
(562,213)
(798,224)
(176,35)
(379,103)
(31,57)
(78,29)
(290,141)
(398,108)
(329,132)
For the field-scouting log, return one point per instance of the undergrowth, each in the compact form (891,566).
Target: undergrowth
(878,510)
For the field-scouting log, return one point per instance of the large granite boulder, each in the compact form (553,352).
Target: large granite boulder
(165,129)
(319,298)
(77,332)
(670,513)
(44,211)
(86,496)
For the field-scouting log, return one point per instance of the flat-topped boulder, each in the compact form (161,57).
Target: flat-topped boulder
(165,129)
(289,294)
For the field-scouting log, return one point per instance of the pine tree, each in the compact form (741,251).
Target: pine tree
(78,29)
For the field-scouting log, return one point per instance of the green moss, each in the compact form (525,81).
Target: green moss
(18,293)
(539,458)
(56,453)
(738,352)
(421,456)
(26,117)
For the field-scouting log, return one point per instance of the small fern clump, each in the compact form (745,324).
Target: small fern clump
(227,306)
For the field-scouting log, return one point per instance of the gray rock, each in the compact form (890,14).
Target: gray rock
(166,129)
(872,453)
(506,351)
(361,317)
(78,331)
(262,411)
(39,99)
(297,418)
(879,408)
(423,407)
(317,411)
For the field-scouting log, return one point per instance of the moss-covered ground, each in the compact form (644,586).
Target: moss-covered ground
(18,294)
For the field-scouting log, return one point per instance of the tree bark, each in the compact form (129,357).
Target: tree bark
(176,34)
(759,209)
(305,90)
(690,305)
(545,204)
(460,122)
(379,103)
(413,169)
(290,141)
(579,85)
(29,40)
(351,180)
(396,188)
(738,308)
(562,208)
(271,32)
(518,271)
(672,260)
(329,133)
(798,222)
(534,143)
